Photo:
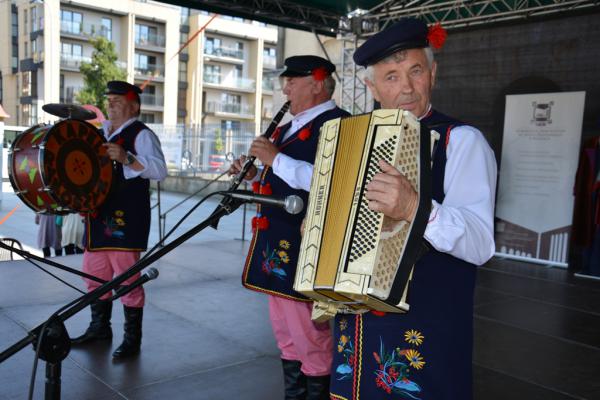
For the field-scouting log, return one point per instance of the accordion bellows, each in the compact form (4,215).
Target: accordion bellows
(350,256)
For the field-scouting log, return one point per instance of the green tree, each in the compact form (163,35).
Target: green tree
(102,69)
(219,146)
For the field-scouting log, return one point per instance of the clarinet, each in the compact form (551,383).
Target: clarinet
(235,182)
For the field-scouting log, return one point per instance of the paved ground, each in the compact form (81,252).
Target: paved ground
(537,330)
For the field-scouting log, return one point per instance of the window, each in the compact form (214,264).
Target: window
(144,64)
(62,88)
(237,72)
(71,22)
(1,88)
(26,48)
(72,50)
(182,71)
(147,118)
(231,103)
(106,28)
(15,24)
(185,16)
(269,51)
(146,34)
(34,26)
(15,56)
(212,73)
(25,21)
(212,46)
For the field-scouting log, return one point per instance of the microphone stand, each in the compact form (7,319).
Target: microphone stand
(51,340)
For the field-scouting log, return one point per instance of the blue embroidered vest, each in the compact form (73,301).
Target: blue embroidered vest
(271,263)
(427,352)
(123,221)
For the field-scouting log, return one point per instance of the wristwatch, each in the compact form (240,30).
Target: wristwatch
(130,159)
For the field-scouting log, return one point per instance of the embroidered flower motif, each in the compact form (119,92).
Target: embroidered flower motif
(284,244)
(256,187)
(273,259)
(436,36)
(345,347)
(391,374)
(413,337)
(343,324)
(113,225)
(416,361)
(304,134)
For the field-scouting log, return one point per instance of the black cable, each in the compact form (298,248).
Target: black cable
(161,242)
(54,276)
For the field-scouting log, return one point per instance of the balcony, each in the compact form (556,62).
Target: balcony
(72,62)
(152,102)
(237,84)
(156,42)
(225,54)
(150,70)
(269,62)
(69,94)
(79,30)
(268,84)
(229,110)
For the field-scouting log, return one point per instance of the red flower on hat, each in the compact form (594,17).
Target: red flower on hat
(320,73)
(437,36)
(304,134)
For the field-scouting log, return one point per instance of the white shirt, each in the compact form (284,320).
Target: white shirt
(463,225)
(149,153)
(296,173)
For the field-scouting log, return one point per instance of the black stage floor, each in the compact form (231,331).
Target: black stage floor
(537,333)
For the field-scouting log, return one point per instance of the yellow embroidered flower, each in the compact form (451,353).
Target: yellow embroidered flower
(284,256)
(284,244)
(119,221)
(343,324)
(119,213)
(342,343)
(414,337)
(415,359)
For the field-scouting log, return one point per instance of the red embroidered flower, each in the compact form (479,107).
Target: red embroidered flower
(256,187)
(120,141)
(304,134)
(437,36)
(319,74)
(276,134)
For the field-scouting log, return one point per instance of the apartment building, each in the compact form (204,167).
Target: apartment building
(223,79)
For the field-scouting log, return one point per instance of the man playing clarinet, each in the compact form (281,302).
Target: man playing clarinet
(287,158)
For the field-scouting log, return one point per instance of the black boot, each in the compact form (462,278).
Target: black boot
(132,338)
(317,387)
(99,328)
(294,380)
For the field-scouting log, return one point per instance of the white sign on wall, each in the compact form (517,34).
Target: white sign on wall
(534,209)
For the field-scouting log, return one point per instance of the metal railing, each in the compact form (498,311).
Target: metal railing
(214,107)
(150,40)
(151,100)
(224,52)
(150,69)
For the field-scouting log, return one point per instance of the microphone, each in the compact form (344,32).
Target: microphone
(148,276)
(292,204)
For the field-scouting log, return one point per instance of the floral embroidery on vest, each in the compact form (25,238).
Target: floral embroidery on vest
(346,348)
(275,259)
(394,367)
(113,226)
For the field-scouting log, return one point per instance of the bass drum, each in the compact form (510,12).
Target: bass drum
(61,168)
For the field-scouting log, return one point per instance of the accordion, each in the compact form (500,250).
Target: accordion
(352,258)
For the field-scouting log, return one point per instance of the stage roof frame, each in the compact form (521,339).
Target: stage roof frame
(364,17)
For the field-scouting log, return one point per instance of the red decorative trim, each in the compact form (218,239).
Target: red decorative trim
(448,135)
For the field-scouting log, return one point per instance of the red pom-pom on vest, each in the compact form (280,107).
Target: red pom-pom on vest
(304,134)
(266,189)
